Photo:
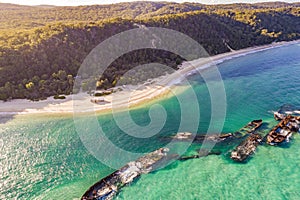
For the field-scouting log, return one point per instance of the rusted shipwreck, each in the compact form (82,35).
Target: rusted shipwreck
(249,128)
(109,186)
(283,130)
(246,148)
(186,136)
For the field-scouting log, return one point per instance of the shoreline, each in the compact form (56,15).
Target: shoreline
(131,96)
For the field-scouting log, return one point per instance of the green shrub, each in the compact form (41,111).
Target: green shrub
(59,97)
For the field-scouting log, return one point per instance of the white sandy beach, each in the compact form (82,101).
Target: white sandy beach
(131,96)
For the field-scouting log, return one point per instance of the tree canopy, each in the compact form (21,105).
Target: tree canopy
(42,47)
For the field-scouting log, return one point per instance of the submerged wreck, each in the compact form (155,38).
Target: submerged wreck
(241,153)
(201,153)
(246,148)
(282,132)
(251,127)
(248,128)
(109,186)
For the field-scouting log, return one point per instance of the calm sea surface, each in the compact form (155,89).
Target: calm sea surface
(42,157)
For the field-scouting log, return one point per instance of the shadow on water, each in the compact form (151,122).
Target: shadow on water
(11,108)
(285,145)
(5,118)
(172,165)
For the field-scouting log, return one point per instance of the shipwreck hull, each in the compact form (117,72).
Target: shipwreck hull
(246,148)
(108,187)
(283,130)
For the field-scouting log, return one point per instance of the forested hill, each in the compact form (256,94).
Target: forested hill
(42,47)
(17,16)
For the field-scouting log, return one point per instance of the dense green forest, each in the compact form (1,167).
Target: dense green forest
(42,47)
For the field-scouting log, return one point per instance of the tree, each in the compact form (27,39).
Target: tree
(30,86)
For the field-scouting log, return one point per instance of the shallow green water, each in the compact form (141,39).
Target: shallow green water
(42,157)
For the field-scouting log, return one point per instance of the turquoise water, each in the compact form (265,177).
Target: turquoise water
(42,157)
